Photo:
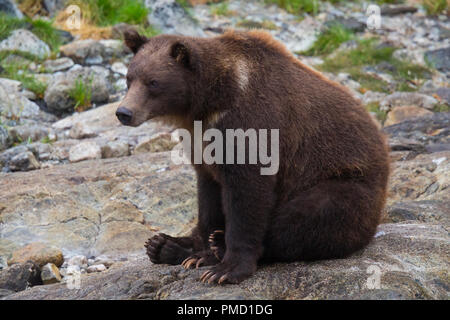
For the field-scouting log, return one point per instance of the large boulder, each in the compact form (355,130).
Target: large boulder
(84,51)
(58,97)
(39,253)
(26,41)
(404,261)
(98,207)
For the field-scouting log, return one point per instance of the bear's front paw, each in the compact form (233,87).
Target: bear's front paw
(163,249)
(199,259)
(228,273)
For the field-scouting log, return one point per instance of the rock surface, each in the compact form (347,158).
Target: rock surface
(98,207)
(405,261)
(39,253)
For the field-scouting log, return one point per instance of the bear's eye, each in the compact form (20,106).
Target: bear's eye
(153,84)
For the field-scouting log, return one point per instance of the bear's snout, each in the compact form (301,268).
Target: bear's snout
(124,115)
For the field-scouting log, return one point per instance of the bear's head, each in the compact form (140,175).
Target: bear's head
(158,78)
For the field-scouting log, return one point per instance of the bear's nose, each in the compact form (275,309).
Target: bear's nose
(124,115)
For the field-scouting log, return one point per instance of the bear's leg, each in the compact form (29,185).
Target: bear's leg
(210,218)
(248,199)
(217,244)
(331,220)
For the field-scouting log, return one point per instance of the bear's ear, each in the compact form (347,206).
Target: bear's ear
(133,39)
(181,54)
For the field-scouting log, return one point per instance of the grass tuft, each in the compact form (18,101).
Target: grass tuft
(220,9)
(435,7)
(44,30)
(330,40)
(81,93)
(17,69)
(297,6)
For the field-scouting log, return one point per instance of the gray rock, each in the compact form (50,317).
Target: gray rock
(26,41)
(436,211)
(50,274)
(440,59)
(170,17)
(14,103)
(20,276)
(25,161)
(81,131)
(400,99)
(58,64)
(404,261)
(393,10)
(57,95)
(87,150)
(84,51)
(371,97)
(431,129)
(119,67)
(96,268)
(9,7)
(351,24)
(33,132)
(115,149)
(114,49)
(7,155)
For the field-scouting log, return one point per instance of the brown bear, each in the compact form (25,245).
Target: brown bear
(327,197)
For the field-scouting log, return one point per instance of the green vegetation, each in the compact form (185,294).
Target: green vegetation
(15,66)
(41,28)
(250,24)
(369,54)
(47,33)
(330,40)
(81,93)
(435,7)
(374,107)
(110,12)
(297,6)
(220,9)
(184,3)
(47,140)
(9,23)
(441,108)
(148,31)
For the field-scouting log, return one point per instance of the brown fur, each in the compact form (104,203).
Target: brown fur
(327,197)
